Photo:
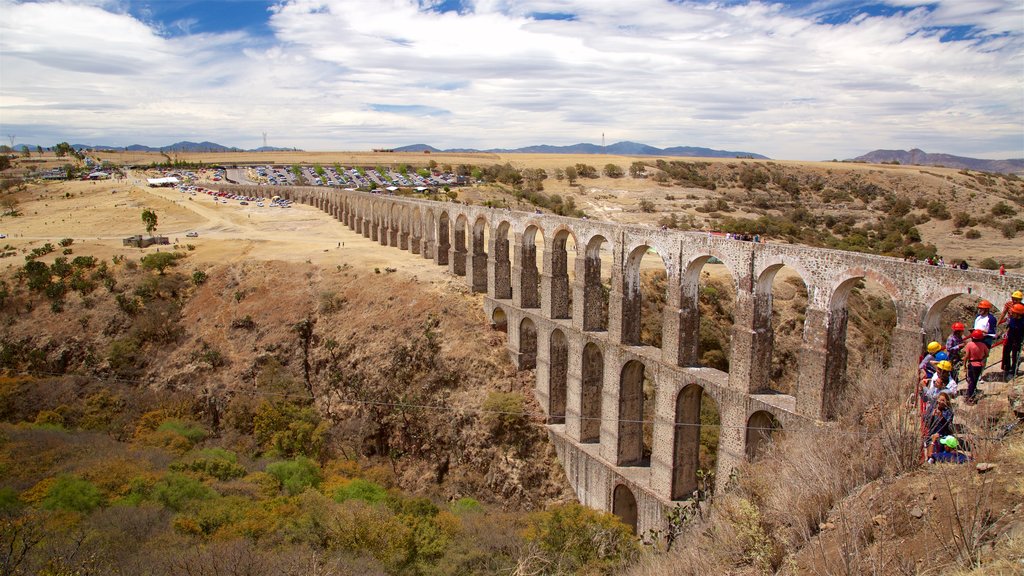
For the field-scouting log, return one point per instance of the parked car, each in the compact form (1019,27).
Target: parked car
(192,235)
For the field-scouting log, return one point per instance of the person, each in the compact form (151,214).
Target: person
(926,368)
(955,345)
(963,264)
(975,353)
(946,450)
(1015,298)
(1002,270)
(986,322)
(941,382)
(939,419)
(1014,339)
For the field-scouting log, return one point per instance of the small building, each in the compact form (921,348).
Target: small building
(140,241)
(165,182)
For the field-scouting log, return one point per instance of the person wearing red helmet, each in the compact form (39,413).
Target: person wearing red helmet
(955,345)
(986,322)
(975,354)
(1014,339)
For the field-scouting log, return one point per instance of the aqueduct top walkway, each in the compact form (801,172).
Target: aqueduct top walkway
(585,342)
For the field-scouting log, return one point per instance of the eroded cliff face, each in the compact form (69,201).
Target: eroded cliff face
(397,370)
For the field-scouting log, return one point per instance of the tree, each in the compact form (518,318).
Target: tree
(10,206)
(638,169)
(613,171)
(5,162)
(149,218)
(24,151)
(39,150)
(159,261)
(571,175)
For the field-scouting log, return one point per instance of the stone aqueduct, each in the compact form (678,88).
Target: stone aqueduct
(590,365)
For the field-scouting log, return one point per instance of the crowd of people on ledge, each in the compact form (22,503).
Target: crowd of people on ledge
(941,262)
(940,368)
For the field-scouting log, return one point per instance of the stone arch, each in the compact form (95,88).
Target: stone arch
(529,278)
(691,350)
(624,506)
(457,259)
(595,293)
(394,224)
(558,375)
(502,262)
(771,367)
(634,316)
(499,320)
(430,232)
(527,345)
(478,255)
(686,455)
(560,292)
(416,231)
(443,245)
(630,449)
(761,429)
(592,390)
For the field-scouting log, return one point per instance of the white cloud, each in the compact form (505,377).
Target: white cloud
(344,74)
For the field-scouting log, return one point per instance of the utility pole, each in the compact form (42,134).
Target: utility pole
(264,139)
(12,137)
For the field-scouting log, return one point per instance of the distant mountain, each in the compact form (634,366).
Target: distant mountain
(619,148)
(183,146)
(417,148)
(921,158)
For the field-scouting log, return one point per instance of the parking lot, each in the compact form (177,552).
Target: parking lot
(358,178)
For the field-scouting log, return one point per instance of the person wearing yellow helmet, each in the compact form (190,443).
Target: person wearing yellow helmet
(926,367)
(1015,298)
(941,381)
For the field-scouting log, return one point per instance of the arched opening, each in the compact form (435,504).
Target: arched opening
(706,304)
(592,390)
(624,506)
(762,427)
(953,308)
(561,294)
(443,244)
(499,320)
(394,225)
(478,258)
(502,264)
(403,228)
(458,254)
(529,279)
(597,285)
(645,291)
(872,318)
(780,306)
(527,345)
(430,231)
(632,448)
(416,239)
(695,445)
(558,372)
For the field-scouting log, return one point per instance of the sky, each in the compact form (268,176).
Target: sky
(801,80)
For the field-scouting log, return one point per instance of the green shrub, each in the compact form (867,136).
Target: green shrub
(566,536)
(359,489)
(505,413)
(988,264)
(199,277)
(191,431)
(466,505)
(9,501)
(295,476)
(176,491)
(72,493)
(214,462)
(972,234)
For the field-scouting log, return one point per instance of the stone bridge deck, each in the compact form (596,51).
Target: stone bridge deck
(590,365)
